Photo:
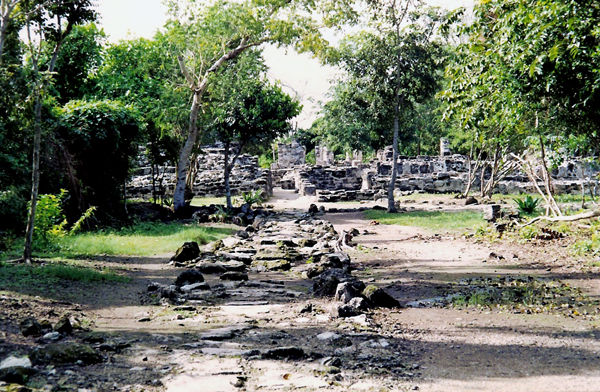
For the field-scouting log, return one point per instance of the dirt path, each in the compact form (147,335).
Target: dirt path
(471,349)
(246,340)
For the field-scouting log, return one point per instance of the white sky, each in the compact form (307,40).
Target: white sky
(299,74)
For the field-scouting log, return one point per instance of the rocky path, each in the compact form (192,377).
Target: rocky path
(266,331)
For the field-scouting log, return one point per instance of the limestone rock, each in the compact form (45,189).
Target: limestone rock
(273,265)
(284,353)
(234,276)
(189,277)
(343,311)
(195,286)
(326,283)
(188,251)
(471,201)
(63,326)
(345,292)
(379,298)
(64,353)
(30,327)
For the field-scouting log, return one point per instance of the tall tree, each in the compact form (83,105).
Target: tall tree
(389,68)
(530,71)
(247,111)
(51,23)
(208,35)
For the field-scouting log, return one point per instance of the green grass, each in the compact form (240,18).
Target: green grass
(17,275)
(431,220)
(141,240)
(206,201)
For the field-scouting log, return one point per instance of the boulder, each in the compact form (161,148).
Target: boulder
(379,298)
(195,286)
(343,310)
(273,265)
(188,251)
(64,353)
(234,275)
(359,303)
(325,285)
(345,292)
(284,353)
(471,201)
(491,212)
(189,277)
(63,326)
(211,268)
(30,327)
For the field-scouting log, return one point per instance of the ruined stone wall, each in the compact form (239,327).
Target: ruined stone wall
(432,174)
(246,176)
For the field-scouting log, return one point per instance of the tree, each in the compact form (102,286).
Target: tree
(141,73)
(96,143)
(79,58)
(389,69)
(207,36)
(51,23)
(529,72)
(247,111)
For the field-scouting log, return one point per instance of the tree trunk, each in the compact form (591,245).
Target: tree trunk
(226,176)
(392,186)
(35,186)
(185,153)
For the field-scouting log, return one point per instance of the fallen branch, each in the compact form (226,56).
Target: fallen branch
(343,240)
(571,218)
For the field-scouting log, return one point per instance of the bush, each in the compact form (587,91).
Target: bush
(527,206)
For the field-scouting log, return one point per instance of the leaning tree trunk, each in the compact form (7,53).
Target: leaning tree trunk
(35,186)
(185,154)
(37,139)
(198,90)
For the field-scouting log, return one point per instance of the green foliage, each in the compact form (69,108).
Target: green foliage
(529,232)
(50,220)
(51,223)
(383,66)
(265,160)
(528,205)
(79,58)
(101,139)
(431,220)
(12,210)
(252,197)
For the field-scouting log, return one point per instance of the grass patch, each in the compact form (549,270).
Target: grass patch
(206,201)
(522,295)
(431,220)
(45,275)
(141,240)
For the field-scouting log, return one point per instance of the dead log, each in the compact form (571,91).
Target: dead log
(570,218)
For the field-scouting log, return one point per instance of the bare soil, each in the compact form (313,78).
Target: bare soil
(215,347)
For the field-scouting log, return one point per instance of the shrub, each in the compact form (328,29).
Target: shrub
(527,206)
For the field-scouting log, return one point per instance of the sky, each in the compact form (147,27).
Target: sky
(299,74)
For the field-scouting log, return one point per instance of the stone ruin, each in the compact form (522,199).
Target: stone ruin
(350,179)
(246,176)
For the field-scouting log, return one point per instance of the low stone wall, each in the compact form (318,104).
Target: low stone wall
(246,176)
(423,173)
